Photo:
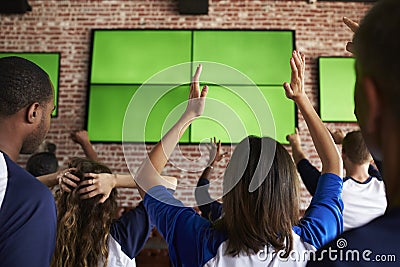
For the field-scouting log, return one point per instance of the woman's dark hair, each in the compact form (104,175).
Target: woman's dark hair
(260,202)
(83,225)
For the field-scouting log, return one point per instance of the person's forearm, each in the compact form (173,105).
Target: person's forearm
(309,175)
(148,174)
(127,181)
(89,151)
(124,180)
(298,153)
(49,180)
(323,142)
(207,173)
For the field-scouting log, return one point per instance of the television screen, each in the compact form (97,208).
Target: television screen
(50,62)
(234,112)
(133,56)
(263,56)
(150,111)
(336,89)
(124,60)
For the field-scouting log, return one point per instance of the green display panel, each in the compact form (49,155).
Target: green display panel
(151,112)
(261,55)
(133,56)
(234,112)
(336,88)
(123,60)
(283,112)
(49,62)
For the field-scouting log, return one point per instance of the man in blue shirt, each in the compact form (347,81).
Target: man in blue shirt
(27,208)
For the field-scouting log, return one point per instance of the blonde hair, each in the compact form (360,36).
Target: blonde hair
(83,225)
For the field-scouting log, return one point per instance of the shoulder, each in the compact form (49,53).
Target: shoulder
(22,186)
(368,244)
(323,219)
(191,239)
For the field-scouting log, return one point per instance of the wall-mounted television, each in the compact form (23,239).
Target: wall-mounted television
(336,89)
(127,65)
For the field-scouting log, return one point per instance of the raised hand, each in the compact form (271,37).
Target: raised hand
(294,139)
(295,90)
(326,149)
(354,27)
(197,98)
(80,137)
(338,136)
(214,150)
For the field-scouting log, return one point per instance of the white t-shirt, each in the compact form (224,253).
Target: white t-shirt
(363,202)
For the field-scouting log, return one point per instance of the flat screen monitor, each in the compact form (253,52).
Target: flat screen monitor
(337,78)
(123,61)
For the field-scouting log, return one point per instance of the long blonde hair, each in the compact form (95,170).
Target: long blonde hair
(83,225)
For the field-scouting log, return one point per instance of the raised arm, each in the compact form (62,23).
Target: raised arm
(82,138)
(215,155)
(210,208)
(295,143)
(148,174)
(323,142)
(308,173)
(353,27)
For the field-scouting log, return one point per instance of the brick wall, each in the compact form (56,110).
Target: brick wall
(64,26)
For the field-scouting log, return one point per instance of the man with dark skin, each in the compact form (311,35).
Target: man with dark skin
(27,208)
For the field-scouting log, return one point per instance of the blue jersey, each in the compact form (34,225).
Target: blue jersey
(193,241)
(128,236)
(374,244)
(210,208)
(27,218)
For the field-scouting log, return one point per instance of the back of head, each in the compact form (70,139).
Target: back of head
(355,149)
(83,224)
(22,83)
(260,202)
(376,48)
(42,163)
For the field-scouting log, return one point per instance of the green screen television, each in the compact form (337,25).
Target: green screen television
(133,56)
(337,78)
(123,61)
(263,56)
(50,62)
(150,111)
(234,112)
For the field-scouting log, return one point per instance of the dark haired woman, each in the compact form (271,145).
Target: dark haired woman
(260,225)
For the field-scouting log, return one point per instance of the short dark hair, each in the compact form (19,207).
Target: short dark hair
(22,83)
(377,50)
(42,163)
(355,149)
